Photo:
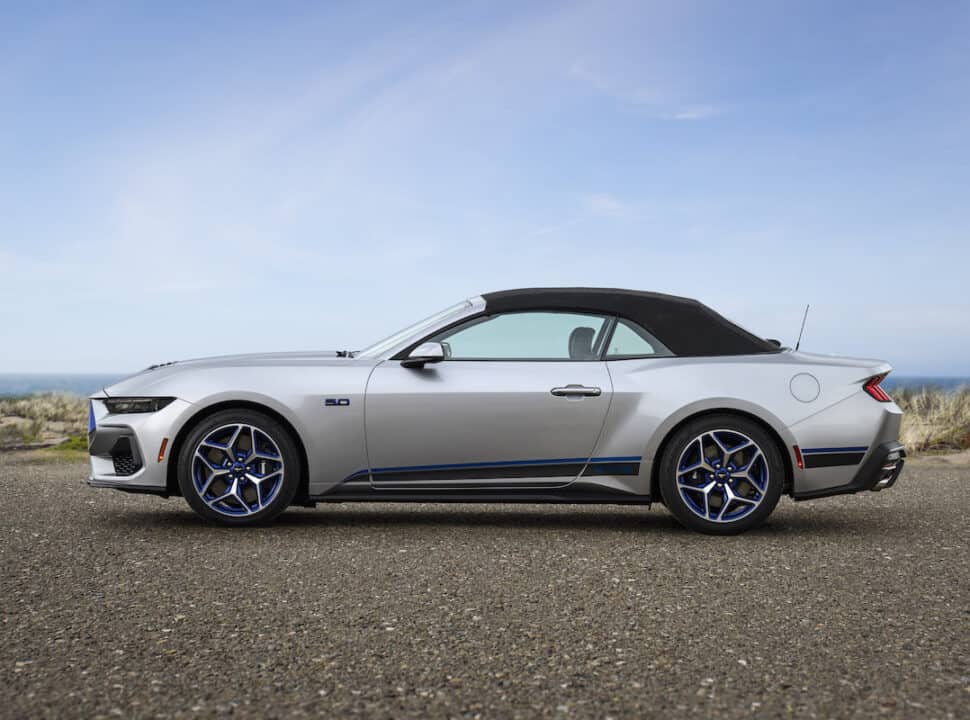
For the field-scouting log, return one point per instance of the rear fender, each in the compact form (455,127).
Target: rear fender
(713,405)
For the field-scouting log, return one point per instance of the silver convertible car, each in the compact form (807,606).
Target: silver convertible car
(554,395)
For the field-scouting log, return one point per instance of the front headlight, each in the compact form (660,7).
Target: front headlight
(136,404)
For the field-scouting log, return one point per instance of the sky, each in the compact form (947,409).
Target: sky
(190,179)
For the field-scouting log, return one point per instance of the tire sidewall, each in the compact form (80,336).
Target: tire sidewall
(677,445)
(280,435)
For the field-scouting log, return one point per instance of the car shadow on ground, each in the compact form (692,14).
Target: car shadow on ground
(383,516)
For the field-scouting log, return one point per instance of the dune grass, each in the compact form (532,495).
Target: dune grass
(933,420)
(49,407)
(41,418)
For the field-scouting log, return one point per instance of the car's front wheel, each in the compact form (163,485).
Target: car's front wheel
(721,474)
(239,467)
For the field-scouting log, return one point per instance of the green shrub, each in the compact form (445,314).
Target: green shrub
(75,442)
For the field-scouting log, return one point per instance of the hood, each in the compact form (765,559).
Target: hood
(143,382)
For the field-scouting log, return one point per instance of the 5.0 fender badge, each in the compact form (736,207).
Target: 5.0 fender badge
(336,402)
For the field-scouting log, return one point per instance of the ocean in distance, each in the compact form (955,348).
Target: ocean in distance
(14,384)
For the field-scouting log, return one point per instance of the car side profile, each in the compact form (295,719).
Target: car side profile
(540,395)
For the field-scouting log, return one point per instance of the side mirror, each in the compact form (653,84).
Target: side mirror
(429,352)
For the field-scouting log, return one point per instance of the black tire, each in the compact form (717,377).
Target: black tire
(683,442)
(266,425)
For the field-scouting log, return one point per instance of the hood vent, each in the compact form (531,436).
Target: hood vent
(160,365)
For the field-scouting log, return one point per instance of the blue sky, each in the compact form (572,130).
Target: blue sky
(179,180)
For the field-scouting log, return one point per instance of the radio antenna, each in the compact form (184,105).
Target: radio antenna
(800,332)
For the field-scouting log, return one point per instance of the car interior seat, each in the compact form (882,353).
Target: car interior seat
(581,344)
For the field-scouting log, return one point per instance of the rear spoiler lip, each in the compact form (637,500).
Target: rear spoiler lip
(883,369)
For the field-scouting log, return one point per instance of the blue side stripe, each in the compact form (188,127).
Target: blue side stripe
(815,451)
(499,463)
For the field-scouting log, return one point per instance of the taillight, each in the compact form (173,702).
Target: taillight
(872,388)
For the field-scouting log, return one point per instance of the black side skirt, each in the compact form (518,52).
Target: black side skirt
(560,496)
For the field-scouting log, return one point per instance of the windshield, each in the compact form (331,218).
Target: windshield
(398,337)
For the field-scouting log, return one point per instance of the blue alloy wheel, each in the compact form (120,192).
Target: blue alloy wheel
(722,476)
(237,469)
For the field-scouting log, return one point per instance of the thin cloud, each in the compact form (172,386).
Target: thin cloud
(605,204)
(656,102)
(698,112)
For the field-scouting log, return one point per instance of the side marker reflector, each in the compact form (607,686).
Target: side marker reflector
(161,449)
(798,458)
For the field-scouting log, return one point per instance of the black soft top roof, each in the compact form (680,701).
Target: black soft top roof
(686,326)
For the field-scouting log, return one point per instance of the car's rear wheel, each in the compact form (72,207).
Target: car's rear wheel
(239,467)
(721,474)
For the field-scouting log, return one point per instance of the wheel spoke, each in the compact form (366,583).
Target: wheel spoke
(208,463)
(707,500)
(749,476)
(702,465)
(208,482)
(725,501)
(720,446)
(230,491)
(752,461)
(231,445)
(728,452)
(693,466)
(238,497)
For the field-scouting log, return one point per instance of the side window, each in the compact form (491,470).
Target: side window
(629,340)
(526,336)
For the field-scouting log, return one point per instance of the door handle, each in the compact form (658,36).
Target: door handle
(576,391)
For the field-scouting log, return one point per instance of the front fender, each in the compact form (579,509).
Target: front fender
(331,433)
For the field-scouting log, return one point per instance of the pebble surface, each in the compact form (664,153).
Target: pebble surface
(115,605)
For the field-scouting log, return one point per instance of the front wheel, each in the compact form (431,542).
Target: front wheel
(721,475)
(239,467)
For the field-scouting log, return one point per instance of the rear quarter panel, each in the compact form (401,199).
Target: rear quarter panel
(652,396)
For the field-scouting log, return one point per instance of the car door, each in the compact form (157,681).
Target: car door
(517,403)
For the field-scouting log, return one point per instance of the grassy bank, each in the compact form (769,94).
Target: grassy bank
(934,421)
(41,419)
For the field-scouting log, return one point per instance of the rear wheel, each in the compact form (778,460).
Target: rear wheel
(239,467)
(721,475)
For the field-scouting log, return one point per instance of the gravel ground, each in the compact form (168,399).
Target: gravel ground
(120,605)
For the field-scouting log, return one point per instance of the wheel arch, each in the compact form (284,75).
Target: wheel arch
(677,423)
(171,480)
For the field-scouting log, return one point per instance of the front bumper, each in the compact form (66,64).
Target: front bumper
(125,449)
(880,471)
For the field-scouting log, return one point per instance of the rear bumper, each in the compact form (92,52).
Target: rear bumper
(878,472)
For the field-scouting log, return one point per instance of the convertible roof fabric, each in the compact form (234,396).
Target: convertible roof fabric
(686,326)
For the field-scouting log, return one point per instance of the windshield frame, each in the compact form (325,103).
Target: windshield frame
(402,338)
